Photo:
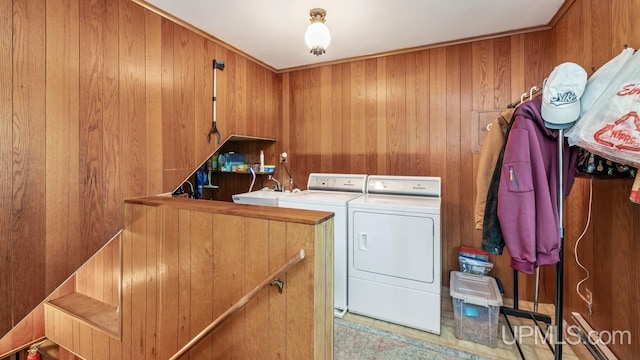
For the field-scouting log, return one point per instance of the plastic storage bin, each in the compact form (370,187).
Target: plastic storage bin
(476,306)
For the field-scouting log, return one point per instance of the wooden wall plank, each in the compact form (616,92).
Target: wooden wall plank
(326,111)
(111,151)
(65,336)
(202,122)
(184,277)
(468,159)
(313,142)
(6,163)
(100,345)
(132,215)
(172,167)
(62,77)
(28,135)
(134,303)
(250,105)
(38,322)
(453,150)
(483,75)
(227,91)
(85,345)
(358,122)
(153,116)
(601,33)
(154,231)
(396,116)
(422,162)
(22,333)
(240,94)
(91,185)
(110,265)
(132,99)
(299,236)
(370,117)
(168,284)
(229,274)
(201,286)
(277,303)
(183,100)
(410,114)
(97,282)
(256,269)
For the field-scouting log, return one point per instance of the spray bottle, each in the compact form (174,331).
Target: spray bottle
(261,160)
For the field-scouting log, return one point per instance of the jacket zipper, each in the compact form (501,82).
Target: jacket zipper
(512,177)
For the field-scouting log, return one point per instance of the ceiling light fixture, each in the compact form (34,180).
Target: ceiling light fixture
(317,35)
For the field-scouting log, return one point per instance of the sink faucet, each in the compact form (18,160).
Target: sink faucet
(278,187)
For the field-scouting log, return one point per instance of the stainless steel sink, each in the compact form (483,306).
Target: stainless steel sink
(260,197)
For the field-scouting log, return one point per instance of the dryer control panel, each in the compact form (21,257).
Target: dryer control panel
(337,182)
(404,185)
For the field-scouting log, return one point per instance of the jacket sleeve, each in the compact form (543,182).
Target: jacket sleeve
(516,199)
(488,159)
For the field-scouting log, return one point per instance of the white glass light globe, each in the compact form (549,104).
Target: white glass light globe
(317,35)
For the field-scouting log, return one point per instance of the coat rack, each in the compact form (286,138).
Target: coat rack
(535,315)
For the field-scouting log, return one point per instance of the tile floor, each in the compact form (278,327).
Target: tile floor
(531,350)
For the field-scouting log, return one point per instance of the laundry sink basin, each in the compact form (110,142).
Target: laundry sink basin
(260,197)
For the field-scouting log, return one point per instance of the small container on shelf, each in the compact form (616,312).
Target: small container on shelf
(269,168)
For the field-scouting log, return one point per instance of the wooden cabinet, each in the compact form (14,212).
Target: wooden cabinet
(221,185)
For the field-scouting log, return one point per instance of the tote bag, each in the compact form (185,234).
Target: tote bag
(611,128)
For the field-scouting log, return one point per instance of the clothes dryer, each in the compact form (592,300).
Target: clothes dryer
(395,251)
(332,193)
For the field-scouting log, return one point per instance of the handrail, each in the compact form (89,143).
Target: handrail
(239,304)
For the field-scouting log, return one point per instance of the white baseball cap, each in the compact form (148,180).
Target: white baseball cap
(561,95)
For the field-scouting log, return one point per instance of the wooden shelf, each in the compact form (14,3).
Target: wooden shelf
(101,316)
(245,172)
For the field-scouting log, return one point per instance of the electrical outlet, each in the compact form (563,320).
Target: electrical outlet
(588,295)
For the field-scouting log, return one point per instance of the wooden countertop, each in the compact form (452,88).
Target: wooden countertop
(311,217)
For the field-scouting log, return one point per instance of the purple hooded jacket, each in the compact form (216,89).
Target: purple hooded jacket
(528,190)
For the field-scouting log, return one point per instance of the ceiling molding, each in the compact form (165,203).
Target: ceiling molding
(420,48)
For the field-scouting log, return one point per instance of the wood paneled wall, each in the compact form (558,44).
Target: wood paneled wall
(102,100)
(590,34)
(181,271)
(410,114)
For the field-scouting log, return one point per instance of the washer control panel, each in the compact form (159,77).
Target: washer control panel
(337,182)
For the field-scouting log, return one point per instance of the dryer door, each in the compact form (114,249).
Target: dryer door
(395,245)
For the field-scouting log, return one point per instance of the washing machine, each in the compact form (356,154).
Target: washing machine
(395,251)
(332,193)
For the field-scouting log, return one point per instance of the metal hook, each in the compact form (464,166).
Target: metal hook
(279,283)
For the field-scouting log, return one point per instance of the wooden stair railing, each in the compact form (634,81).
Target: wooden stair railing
(269,280)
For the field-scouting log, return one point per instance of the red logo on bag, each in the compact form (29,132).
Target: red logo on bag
(622,134)
(629,89)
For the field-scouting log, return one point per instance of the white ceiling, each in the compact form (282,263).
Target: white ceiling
(273,31)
